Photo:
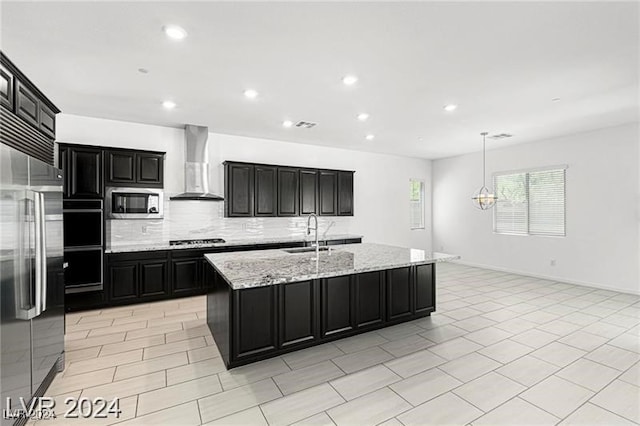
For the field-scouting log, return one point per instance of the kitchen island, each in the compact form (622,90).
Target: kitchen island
(265,303)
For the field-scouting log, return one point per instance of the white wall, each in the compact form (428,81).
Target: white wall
(381,183)
(602,246)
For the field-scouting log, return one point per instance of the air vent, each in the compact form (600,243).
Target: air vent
(305,124)
(501,136)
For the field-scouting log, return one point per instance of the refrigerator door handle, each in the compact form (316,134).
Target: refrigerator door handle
(41,255)
(25,309)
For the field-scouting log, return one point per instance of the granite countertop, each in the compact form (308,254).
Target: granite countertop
(266,267)
(164,245)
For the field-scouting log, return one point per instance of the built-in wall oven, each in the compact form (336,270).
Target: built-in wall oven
(134,203)
(83,245)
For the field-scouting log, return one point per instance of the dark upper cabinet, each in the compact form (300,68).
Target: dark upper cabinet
(298,316)
(287,191)
(265,190)
(47,121)
(121,167)
(63,163)
(6,87)
(238,193)
(345,193)
(150,169)
(338,310)
(27,106)
(399,294)
(84,169)
(28,117)
(327,193)
(308,191)
(134,168)
(254,321)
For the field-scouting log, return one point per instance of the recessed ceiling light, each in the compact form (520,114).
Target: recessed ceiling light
(175,32)
(169,104)
(287,123)
(450,107)
(350,80)
(363,116)
(143,71)
(250,93)
(555,99)
(370,137)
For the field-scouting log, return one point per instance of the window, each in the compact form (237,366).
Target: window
(416,204)
(530,202)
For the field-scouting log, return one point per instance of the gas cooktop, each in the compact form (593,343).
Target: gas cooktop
(196,242)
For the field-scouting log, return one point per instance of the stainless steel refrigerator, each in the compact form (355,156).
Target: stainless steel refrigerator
(31,276)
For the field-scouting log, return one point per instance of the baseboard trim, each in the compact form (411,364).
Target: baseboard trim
(547,277)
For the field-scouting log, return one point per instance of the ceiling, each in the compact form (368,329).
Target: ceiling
(502,63)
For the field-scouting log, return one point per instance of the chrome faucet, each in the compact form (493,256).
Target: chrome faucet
(309,228)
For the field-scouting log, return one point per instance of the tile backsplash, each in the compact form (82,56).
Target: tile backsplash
(205,219)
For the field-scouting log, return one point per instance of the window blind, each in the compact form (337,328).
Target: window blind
(416,204)
(530,202)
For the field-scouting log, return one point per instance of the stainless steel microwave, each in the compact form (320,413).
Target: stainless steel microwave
(134,203)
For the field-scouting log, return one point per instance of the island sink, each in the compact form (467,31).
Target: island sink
(261,304)
(307,249)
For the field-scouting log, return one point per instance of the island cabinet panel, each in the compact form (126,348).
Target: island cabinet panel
(298,316)
(425,288)
(265,191)
(399,294)
(337,300)
(327,193)
(287,191)
(308,191)
(239,188)
(254,321)
(370,298)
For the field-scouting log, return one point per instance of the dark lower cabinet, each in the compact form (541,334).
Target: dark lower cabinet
(259,323)
(338,313)
(254,321)
(185,277)
(298,313)
(123,281)
(399,294)
(132,279)
(153,278)
(138,277)
(370,296)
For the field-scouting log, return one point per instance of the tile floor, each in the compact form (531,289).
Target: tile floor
(502,349)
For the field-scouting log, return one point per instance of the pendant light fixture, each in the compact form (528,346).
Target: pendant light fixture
(484,199)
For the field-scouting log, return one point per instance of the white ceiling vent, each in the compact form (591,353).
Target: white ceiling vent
(305,124)
(500,136)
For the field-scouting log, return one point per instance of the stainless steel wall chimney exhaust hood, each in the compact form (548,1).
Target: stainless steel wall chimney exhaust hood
(196,166)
